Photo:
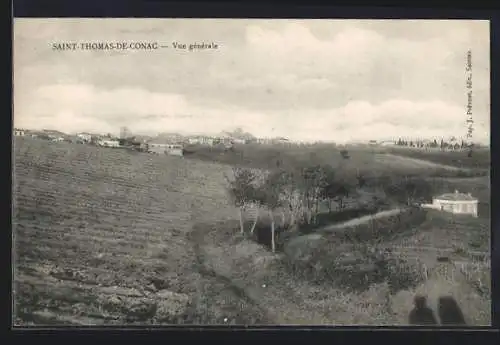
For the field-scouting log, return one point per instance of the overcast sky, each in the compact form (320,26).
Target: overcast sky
(335,80)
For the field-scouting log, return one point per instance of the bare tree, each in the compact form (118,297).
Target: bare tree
(270,195)
(242,191)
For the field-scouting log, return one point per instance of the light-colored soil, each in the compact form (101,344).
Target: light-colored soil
(397,161)
(360,220)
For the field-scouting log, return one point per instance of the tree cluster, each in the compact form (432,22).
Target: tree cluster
(300,192)
(297,192)
(441,144)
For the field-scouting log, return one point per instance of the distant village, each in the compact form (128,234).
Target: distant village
(175,144)
(170,143)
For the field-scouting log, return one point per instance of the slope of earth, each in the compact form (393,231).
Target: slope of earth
(288,300)
(365,161)
(101,237)
(285,300)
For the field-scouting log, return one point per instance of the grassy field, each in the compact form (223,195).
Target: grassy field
(369,162)
(480,158)
(104,236)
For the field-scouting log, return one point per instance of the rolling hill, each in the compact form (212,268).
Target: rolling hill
(93,224)
(106,236)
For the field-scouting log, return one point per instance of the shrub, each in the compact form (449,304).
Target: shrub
(357,268)
(403,274)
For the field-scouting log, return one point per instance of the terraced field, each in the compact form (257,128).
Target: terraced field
(100,236)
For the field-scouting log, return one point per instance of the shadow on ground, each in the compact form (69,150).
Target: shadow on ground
(450,314)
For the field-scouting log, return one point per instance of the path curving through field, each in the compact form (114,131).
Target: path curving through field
(393,159)
(359,220)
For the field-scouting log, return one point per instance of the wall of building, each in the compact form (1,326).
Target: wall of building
(174,151)
(109,143)
(456,206)
(156,149)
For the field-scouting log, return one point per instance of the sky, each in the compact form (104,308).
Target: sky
(310,80)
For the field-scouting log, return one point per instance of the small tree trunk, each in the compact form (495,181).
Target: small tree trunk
(329,206)
(309,216)
(256,221)
(242,228)
(283,219)
(273,243)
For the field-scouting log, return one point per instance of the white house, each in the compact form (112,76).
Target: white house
(387,143)
(458,203)
(109,143)
(239,141)
(174,150)
(193,141)
(206,141)
(19,132)
(169,149)
(85,137)
(157,148)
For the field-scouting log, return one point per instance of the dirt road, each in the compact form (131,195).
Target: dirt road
(360,220)
(396,159)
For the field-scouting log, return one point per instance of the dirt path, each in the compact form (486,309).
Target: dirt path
(360,220)
(416,161)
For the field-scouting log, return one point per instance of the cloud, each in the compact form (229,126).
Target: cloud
(83,107)
(303,79)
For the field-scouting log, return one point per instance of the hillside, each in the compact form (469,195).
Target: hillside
(106,236)
(92,225)
(366,161)
(480,158)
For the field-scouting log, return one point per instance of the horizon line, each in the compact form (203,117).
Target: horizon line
(180,133)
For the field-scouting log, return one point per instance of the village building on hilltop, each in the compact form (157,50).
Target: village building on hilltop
(19,132)
(85,137)
(168,149)
(457,203)
(108,143)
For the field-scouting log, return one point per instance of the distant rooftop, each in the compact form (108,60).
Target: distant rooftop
(457,196)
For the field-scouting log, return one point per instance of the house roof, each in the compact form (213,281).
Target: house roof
(457,196)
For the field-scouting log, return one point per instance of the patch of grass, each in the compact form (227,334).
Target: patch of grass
(478,274)
(363,160)
(356,268)
(480,159)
